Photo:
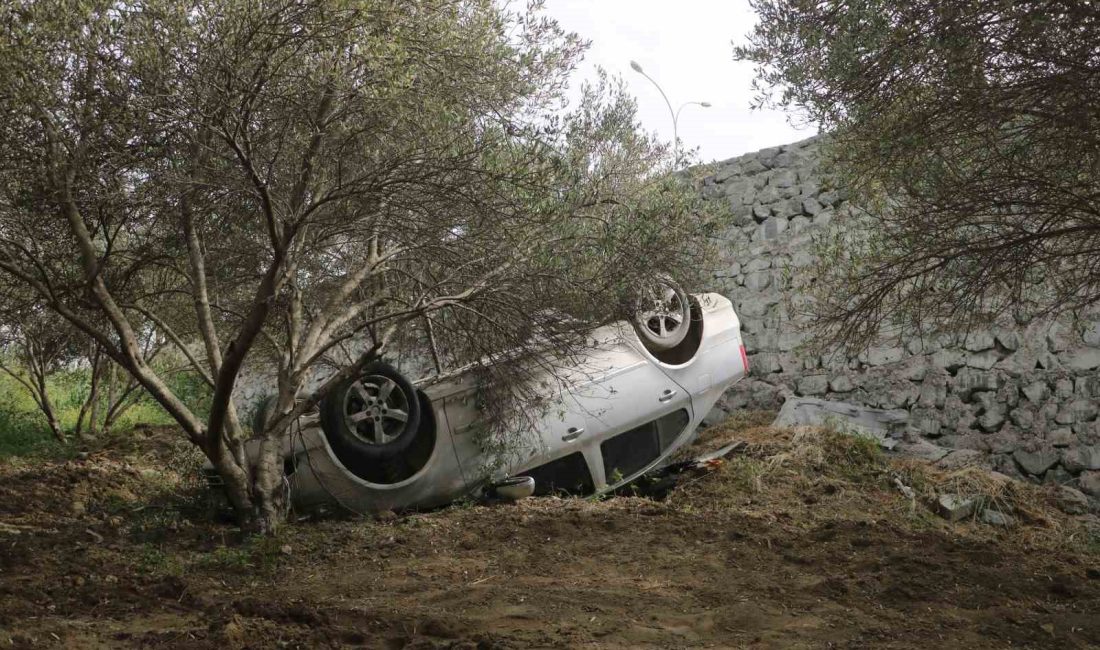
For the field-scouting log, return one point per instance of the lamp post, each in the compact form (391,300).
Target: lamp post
(675,115)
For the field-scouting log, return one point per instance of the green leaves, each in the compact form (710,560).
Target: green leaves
(969,132)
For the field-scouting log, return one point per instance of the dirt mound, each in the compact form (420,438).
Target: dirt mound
(802,540)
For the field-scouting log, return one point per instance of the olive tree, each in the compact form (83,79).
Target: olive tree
(33,347)
(970,134)
(275,179)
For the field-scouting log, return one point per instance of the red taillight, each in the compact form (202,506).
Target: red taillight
(744,359)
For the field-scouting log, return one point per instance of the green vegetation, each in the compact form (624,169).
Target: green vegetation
(227,182)
(969,133)
(23,429)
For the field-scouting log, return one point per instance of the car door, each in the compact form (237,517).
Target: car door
(614,390)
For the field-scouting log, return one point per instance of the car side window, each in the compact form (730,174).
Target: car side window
(566,475)
(631,451)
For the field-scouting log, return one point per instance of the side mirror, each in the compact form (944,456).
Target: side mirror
(514,488)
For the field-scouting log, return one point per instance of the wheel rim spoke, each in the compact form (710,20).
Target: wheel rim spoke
(358,417)
(385,389)
(379,432)
(362,392)
(395,414)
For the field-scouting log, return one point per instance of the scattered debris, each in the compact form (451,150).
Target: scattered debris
(885,427)
(997,518)
(953,507)
(905,489)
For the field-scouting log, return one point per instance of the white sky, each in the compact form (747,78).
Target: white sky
(685,45)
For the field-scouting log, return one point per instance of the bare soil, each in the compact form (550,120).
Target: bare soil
(797,543)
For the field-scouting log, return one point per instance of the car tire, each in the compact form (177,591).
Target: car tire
(373,416)
(662,317)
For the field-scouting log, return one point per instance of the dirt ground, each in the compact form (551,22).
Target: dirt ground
(803,541)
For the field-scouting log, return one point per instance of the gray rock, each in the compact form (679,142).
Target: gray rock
(1056,337)
(920,449)
(1088,433)
(878,356)
(1057,475)
(841,384)
(823,218)
(983,360)
(1022,417)
(767,195)
(961,458)
(810,411)
(1082,459)
(953,507)
(1071,501)
(757,264)
(1089,483)
(743,216)
(761,212)
(1063,389)
(810,206)
(1008,339)
(773,227)
(1036,462)
(1082,359)
(813,385)
(997,518)
(969,380)
(829,198)
(800,259)
(1061,437)
(799,224)
(764,363)
(978,341)
(1087,386)
(726,172)
(1036,392)
(785,178)
(925,422)
(1079,410)
(933,391)
(948,359)
(758,281)
(791,207)
(992,419)
(753,167)
(788,192)
(1091,335)
(790,340)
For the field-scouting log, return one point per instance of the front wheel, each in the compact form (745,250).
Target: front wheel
(375,415)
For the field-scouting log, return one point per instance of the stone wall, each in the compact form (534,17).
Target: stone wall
(1028,396)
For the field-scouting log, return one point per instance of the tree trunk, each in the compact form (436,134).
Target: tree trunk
(51,417)
(37,366)
(78,430)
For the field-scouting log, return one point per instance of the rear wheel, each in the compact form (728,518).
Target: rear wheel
(375,415)
(663,315)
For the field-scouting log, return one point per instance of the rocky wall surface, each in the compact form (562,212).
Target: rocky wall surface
(1028,397)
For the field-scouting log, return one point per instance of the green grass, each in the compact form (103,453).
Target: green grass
(23,429)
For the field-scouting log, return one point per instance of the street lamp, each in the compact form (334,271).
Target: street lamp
(675,115)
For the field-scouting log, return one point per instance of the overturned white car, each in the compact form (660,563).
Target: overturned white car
(381,442)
